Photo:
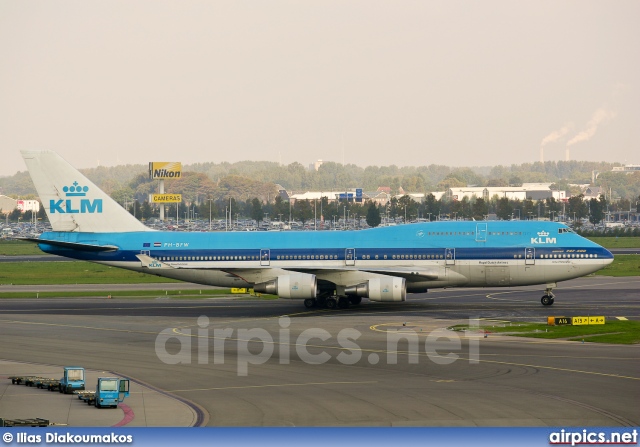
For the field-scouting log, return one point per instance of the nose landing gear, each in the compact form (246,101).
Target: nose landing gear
(548,297)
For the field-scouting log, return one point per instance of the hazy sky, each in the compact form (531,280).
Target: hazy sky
(458,83)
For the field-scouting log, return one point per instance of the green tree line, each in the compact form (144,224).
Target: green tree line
(241,179)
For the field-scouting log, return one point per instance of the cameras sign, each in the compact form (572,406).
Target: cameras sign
(165,198)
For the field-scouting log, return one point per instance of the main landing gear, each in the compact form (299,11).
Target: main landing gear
(332,302)
(548,297)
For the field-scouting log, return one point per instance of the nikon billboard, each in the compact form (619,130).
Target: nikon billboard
(165,169)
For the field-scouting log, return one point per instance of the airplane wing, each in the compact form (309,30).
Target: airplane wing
(408,273)
(411,274)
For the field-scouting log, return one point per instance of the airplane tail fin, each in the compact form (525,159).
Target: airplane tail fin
(73,202)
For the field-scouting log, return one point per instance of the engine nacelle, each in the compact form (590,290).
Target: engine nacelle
(381,289)
(295,286)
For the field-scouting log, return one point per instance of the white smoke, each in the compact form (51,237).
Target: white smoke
(556,135)
(600,116)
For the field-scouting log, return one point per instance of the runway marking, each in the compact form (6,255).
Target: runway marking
(602,284)
(493,337)
(271,386)
(553,368)
(419,354)
(622,318)
(40,309)
(79,327)
(244,320)
(403,329)
(560,357)
(490,296)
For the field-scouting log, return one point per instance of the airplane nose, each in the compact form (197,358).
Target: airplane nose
(608,257)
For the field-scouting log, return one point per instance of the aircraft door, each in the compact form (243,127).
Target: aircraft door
(450,256)
(123,389)
(144,252)
(350,256)
(529,256)
(265,257)
(481,232)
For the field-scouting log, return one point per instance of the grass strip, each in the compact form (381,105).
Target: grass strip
(613,331)
(151,294)
(19,248)
(622,265)
(75,272)
(616,242)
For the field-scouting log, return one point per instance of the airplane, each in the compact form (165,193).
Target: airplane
(324,268)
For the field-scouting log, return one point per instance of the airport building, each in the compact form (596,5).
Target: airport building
(380,196)
(7,204)
(531,191)
(28,205)
(528,191)
(627,169)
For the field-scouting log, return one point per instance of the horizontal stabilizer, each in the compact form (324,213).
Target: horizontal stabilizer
(71,245)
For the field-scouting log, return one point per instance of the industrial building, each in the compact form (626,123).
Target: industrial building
(7,204)
(532,191)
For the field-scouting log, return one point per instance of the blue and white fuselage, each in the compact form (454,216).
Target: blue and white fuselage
(382,264)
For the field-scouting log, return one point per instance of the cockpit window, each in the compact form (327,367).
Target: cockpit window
(564,230)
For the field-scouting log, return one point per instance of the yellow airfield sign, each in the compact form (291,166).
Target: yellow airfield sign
(165,198)
(580,321)
(575,321)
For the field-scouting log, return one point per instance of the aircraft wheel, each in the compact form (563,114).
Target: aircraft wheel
(309,303)
(546,300)
(355,300)
(331,303)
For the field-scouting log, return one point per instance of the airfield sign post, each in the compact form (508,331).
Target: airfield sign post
(161,170)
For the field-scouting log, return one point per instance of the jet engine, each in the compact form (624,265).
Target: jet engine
(294,286)
(387,289)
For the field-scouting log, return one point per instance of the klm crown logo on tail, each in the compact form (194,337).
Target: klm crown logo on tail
(75,206)
(543,238)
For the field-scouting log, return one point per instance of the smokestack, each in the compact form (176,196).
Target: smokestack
(566,154)
(553,136)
